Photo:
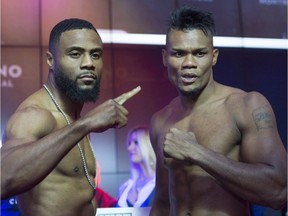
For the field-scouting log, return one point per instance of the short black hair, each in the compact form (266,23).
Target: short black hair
(189,18)
(66,25)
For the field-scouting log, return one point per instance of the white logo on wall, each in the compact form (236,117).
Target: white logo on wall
(8,73)
(13,201)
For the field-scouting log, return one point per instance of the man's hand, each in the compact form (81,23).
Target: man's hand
(125,96)
(110,114)
(180,145)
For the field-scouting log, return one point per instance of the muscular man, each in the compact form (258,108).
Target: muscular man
(47,159)
(217,147)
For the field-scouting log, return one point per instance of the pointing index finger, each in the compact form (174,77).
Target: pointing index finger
(125,96)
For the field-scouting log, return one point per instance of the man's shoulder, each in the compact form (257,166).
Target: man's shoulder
(35,105)
(241,104)
(236,99)
(31,109)
(32,113)
(245,98)
(160,118)
(167,109)
(35,100)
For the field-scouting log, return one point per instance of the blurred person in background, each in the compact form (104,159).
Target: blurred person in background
(138,191)
(103,199)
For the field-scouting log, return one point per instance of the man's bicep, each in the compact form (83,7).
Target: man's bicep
(257,148)
(28,125)
(260,138)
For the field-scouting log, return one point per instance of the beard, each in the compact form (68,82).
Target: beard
(192,93)
(188,94)
(71,90)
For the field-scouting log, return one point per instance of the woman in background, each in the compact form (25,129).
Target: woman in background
(103,199)
(138,191)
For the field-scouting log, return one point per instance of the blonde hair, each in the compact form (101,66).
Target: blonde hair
(145,146)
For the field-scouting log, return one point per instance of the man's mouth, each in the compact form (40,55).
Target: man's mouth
(87,77)
(188,78)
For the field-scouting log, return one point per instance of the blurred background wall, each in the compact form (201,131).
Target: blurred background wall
(25,28)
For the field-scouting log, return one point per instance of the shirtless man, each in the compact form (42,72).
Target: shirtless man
(217,147)
(47,160)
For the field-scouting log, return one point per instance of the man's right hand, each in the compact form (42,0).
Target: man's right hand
(110,114)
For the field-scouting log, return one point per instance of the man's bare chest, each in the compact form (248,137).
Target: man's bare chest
(73,163)
(213,128)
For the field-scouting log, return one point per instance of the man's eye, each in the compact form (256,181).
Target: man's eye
(96,55)
(74,54)
(177,54)
(200,54)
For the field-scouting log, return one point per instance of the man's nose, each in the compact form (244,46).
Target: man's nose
(189,61)
(87,62)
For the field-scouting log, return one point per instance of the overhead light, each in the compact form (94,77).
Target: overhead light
(122,37)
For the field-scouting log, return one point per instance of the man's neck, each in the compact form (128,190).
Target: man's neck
(200,98)
(71,108)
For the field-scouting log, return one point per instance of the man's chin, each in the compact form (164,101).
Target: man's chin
(86,87)
(84,95)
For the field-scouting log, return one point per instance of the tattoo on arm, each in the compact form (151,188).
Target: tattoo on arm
(263,118)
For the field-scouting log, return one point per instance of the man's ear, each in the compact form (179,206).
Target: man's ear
(164,57)
(215,56)
(50,59)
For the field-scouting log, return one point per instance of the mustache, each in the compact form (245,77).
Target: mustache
(89,74)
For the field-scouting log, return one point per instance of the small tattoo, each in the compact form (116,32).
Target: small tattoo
(263,118)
